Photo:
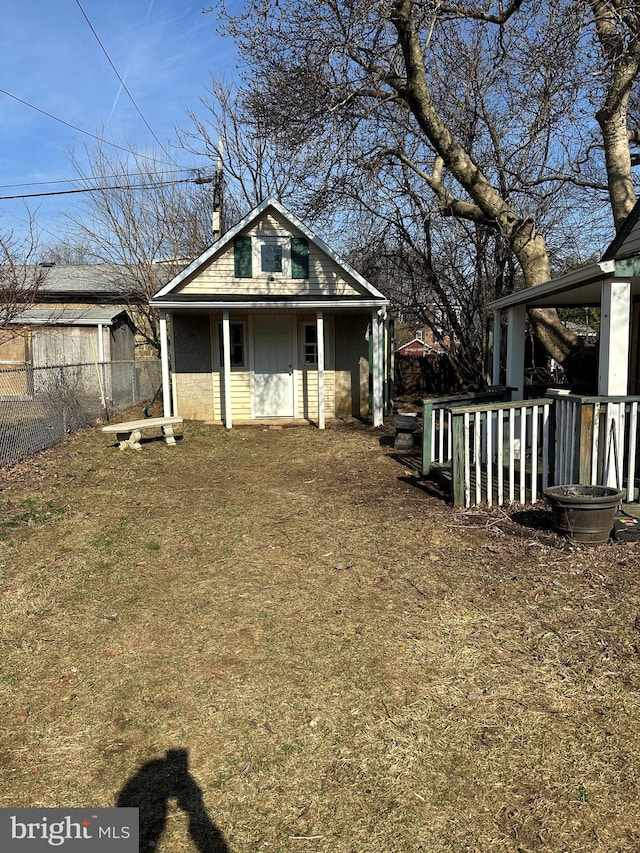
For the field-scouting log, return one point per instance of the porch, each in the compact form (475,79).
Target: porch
(509,448)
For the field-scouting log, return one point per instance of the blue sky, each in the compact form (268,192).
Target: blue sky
(165,51)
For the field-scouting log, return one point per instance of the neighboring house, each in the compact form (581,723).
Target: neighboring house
(270,323)
(415,348)
(418,347)
(613,286)
(80,315)
(420,368)
(80,285)
(42,337)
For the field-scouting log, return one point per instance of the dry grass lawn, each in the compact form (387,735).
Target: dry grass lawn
(345,663)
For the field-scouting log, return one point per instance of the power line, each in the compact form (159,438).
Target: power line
(78,180)
(78,129)
(122,83)
(107,189)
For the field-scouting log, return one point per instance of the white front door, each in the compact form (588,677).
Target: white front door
(273,354)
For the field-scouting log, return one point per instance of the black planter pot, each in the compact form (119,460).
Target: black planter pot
(584,514)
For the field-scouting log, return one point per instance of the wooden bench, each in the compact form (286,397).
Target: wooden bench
(129,433)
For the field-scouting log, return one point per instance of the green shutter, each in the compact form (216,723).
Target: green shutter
(242,257)
(299,257)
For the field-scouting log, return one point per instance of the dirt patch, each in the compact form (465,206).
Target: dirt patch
(316,653)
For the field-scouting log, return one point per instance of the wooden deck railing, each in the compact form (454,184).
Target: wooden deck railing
(501,452)
(596,441)
(437,422)
(497,451)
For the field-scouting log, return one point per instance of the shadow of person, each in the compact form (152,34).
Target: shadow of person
(150,790)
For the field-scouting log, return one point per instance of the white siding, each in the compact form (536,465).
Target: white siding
(326,278)
(308,393)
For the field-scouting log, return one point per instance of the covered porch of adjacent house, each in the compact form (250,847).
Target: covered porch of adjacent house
(595,435)
(511,448)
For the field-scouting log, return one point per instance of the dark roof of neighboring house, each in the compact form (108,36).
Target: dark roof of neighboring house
(625,231)
(68,317)
(75,280)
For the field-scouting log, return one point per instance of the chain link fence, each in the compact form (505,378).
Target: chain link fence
(39,406)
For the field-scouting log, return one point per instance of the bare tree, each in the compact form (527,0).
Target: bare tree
(145,221)
(20,274)
(68,253)
(513,119)
(230,127)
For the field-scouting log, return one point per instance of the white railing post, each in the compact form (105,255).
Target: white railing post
(546,444)
(512,445)
(489,450)
(631,455)
(534,454)
(477,450)
(500,457)
(467,466)
(523,453)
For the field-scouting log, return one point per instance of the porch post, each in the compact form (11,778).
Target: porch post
(377,390)
(320,343)
(615,313)
(164,357)
(516,322)
(497,340)
(226,351)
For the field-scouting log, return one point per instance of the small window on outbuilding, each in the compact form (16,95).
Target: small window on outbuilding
(236,344)
(310,343)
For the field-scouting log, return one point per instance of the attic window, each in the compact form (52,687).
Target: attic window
(272,255)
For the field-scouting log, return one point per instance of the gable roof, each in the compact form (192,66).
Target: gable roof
(229,236)
(68,317)
(627,241)
(416,345)
(77,280)
(583,286)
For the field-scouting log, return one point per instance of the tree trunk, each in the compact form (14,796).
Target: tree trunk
(621,48)
(618,160)
(489,207)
